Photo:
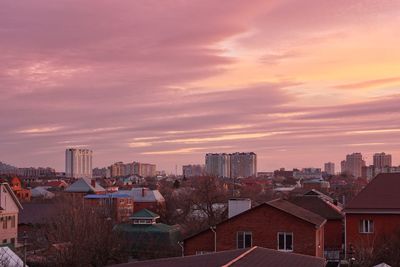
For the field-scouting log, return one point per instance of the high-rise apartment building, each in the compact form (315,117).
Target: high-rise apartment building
(193,170)
(78,163)
(236,165)
(218,164)
(382,160)
(243,165)
(329,168)
(353,164)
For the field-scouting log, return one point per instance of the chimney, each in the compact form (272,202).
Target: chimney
(93,182)
(143,191)
(238,205)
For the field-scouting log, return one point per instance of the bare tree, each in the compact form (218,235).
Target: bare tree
(82,236)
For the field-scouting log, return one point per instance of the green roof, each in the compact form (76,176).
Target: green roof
(146,228)
(145,213)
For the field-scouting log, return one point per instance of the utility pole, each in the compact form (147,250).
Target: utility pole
(24,237)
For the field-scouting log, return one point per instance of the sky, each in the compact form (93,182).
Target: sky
(299,83)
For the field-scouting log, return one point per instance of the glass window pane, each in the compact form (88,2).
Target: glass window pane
(289,242)
(281,241)
(240,240)
(247,240)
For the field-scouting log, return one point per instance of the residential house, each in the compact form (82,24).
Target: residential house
(144,198)
(331,210)
(9,210)
(277,224)
(118,207)
(374,214)
(82,187)
(22,194)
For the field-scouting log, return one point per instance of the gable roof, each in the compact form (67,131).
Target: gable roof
(318,206)
(14,197)
(255,257)
(297,211)
(83,185)
(381,194)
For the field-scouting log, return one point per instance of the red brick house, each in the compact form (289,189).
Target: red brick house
(118,207)
(145,198)
(329,209)
(277,224)
(373,214)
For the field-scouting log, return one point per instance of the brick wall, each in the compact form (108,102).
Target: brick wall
(264,222)
(334,234)
(384,225)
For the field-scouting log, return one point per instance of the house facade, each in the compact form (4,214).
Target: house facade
(277,224)
(374,214)
(331,210)
(9,209)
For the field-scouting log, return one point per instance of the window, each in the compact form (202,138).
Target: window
(12,240)
(285,241)
(244,239)
(366,226)
(13,221)
(4,222)
(4,241)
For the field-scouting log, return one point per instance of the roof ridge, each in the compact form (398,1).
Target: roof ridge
(241,256)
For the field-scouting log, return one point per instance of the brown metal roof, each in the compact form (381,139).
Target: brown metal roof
(318,206)
(255,257)
(297,211)
(381,194)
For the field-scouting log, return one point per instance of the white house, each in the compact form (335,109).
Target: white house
(9,209)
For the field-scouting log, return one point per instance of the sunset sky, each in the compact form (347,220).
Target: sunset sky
(298,82)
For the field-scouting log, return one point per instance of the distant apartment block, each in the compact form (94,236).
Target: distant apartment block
(308,173)
(369,172)
(193,170)
(243,165)
(78,163)
(235,165)
(120,169)
(218,164)
(382,160)
(353,164)
(329,168)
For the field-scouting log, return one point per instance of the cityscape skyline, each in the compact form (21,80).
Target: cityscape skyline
(296,82)
(367,159)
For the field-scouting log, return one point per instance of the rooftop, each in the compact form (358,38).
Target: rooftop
(297,211)
(83,185)
(255,257)
(145,214)
(318,206)
(381,194)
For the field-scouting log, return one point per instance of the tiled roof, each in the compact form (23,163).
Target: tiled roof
(318,206)
(381,194)
(297,211)
(83,185)
(255,257)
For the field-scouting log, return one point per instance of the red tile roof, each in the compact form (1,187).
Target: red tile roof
(380,195)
